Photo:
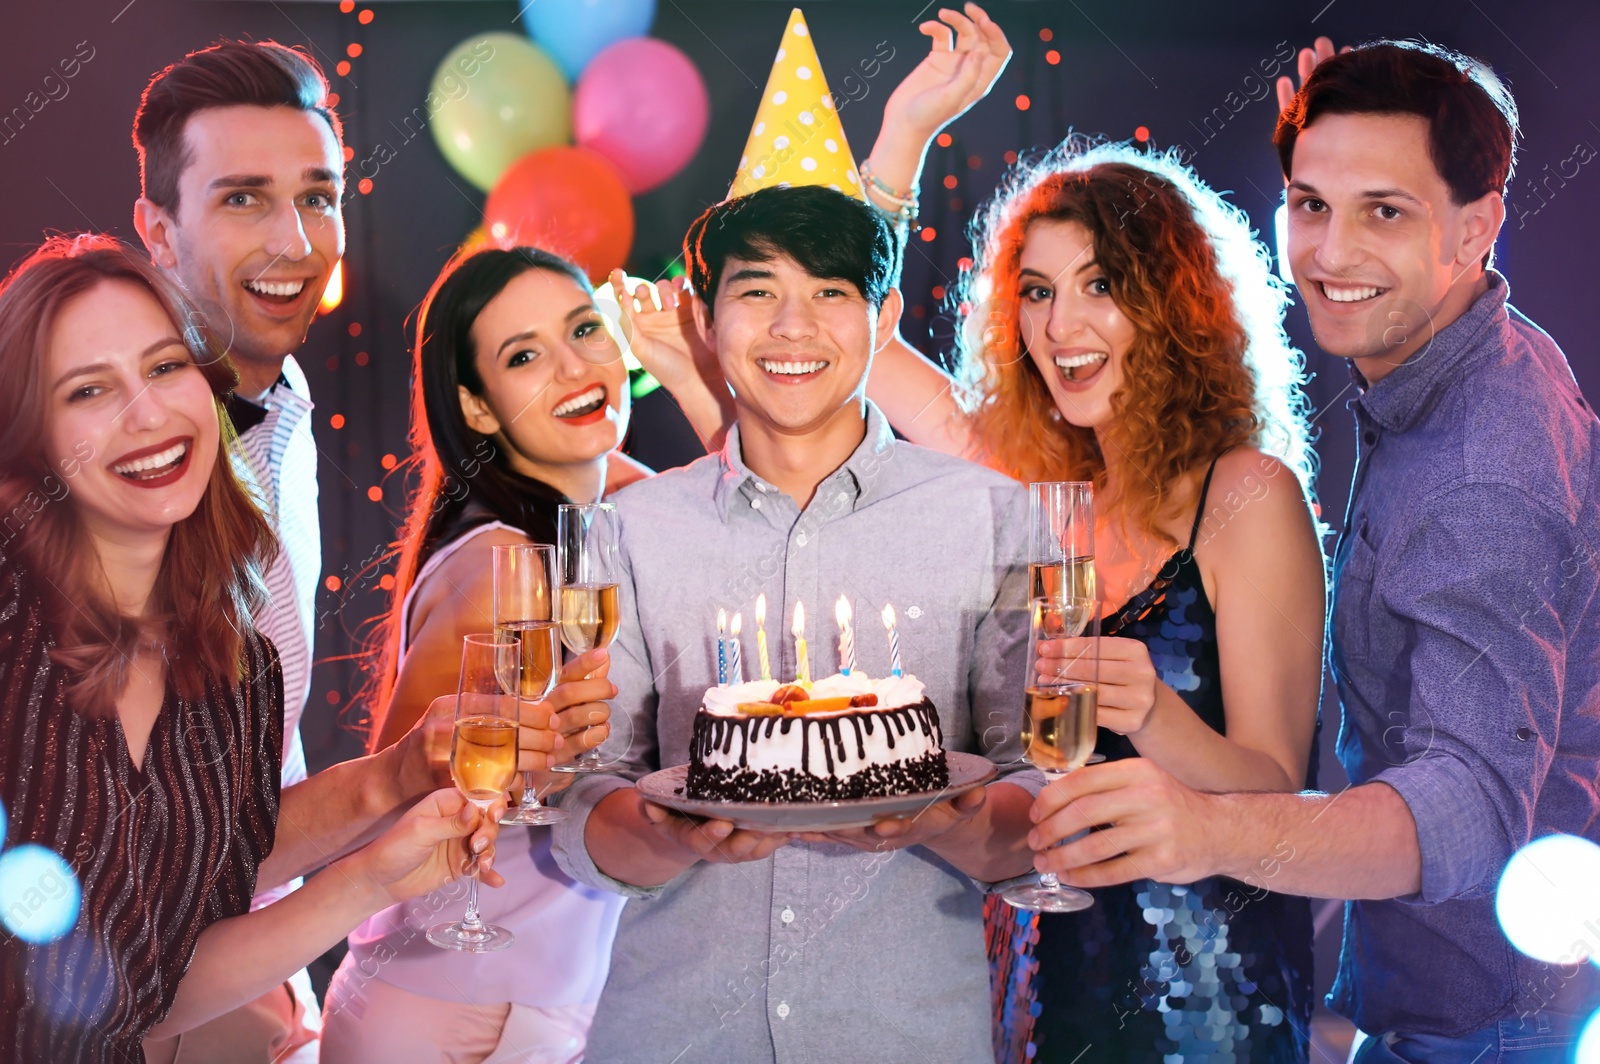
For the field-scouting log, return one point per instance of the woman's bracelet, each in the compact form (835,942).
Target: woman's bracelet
(905,212)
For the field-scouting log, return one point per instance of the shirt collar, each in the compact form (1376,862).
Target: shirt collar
(861,475)
(1397,401)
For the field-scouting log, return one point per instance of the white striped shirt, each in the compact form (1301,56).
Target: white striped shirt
(277,460)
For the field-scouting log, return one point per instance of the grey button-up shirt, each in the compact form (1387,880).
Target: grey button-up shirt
(1466,647)
(820,953)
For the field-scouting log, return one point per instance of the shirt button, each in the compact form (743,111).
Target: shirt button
(783,1010)
(787,916)
(800,540)
(755,504)
(1524,734)
(1370,437)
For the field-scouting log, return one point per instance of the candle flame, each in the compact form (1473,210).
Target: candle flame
(738,622)
(722,621)
(761,610)
(841,611)
(799,628)
(888,616)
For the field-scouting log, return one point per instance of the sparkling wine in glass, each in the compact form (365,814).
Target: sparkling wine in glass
(483,762)
(524,603)
(588,536)
(1061,543)
(1061,539)
(1059,725)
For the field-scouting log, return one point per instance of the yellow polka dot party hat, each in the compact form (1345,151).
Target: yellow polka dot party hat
(797,138)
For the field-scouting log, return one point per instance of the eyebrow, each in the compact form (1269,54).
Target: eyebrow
(319,175)
(106,367)
(1027,271)
(1366,194)
(576,312)
(750,273)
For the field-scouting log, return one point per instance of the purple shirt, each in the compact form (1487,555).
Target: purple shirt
(1466,648)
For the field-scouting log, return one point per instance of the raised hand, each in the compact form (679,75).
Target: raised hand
(659,323)
(969,52)
(1321,49)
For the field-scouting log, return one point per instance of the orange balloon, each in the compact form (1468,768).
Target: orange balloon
(570,201)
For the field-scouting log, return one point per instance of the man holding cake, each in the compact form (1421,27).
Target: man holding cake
(744,946)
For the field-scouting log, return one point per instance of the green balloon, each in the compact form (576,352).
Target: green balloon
(495,98)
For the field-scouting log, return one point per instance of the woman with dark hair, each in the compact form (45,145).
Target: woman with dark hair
(521,395)
(141,714)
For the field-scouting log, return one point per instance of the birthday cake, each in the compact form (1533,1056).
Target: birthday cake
(843,737)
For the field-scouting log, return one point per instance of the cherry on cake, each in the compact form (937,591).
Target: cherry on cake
(844,737)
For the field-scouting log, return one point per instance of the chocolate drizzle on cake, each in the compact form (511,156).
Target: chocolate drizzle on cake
(818,781)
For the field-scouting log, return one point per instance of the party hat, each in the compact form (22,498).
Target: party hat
(797,138)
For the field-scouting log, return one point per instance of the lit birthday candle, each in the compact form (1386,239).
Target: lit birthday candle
(802,671)
(847,639)
(894,641)
(735,654)
(761,636)
(722,648)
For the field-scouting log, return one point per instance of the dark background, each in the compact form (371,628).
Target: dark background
(1169,65)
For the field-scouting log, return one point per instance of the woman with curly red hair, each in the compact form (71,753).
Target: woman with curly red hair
(1123,327)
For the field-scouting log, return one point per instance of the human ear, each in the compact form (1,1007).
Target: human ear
(1480,226)
(155,226)
(888,320)
(476,412)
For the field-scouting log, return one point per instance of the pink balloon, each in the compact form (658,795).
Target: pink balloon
(642,104)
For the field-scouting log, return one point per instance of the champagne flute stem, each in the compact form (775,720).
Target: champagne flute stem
(472,921)
(530,798)
(1048,880)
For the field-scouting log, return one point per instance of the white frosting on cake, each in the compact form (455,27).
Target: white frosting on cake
(892,692)
(839,744)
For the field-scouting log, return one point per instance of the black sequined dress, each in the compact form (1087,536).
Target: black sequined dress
(1211,972)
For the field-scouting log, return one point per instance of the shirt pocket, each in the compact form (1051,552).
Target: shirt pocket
(1352,603)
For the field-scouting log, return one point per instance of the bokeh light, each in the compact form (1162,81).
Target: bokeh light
(2,824)
(39,894)
(1547,900)
(333,295)
(1589,1042)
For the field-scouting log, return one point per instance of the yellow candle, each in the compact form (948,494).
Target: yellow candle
(761,636)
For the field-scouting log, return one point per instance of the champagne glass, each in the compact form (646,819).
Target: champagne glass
(524,600)
(589,536)
(1061,539)
(1061,543)
(1058,724)
(483,761)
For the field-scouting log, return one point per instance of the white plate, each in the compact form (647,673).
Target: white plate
(665,788)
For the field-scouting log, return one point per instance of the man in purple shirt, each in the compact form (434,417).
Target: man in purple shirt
(1465,633)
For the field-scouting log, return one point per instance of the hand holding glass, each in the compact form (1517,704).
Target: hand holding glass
(588,536)
(483,761)
(524,602)
(1058,725)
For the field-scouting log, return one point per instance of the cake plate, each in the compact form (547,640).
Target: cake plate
(665,788)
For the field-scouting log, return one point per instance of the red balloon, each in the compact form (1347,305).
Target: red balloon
(567,200)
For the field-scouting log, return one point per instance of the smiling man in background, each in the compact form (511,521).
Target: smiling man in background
(241,166)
